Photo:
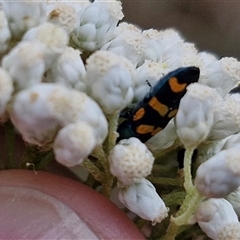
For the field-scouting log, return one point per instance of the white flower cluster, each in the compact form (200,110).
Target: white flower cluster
(68,68)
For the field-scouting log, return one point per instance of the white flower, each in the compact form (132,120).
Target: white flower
(219,175)
(207,58)
(150,71)
(5,34)
(221,75)
(23,15)
(130,161)
(74,143)
(64,16)
(127,42)
(40,111)
(97,23)
(226,118)
(232,141)
(110,80)
(194,126)
(68,69)
(25,63)
(154,45)
(181,55)
(234,199)
(53,38)
(142,199)
(163,139)
(218,220)
(6,90)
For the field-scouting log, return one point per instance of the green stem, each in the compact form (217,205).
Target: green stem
(112,134)
(108,180)
(192,206)
(96,173)
(166,181)
(187,169)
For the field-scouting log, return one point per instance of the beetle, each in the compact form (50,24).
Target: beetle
(152,114)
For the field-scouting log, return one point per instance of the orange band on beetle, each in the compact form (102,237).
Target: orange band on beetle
(176,86)
(139,114)
(162,109)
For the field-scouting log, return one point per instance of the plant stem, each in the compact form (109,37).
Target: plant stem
(166,181)
(187,169)
(112,135)
(96,173)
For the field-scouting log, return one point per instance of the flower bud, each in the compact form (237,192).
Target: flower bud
(109,78)
(130,161)
(194,126)
(68,70)
(217,219)
(219,175)
(25,63)
(142,199)
(74,143)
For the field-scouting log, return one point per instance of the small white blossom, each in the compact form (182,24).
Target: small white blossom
(142,199)
(74,143)
(97,23)
(221,75)
(219,175)
(64,16)
(234,199)
(194,126)
(153,41)
(207,58)
(232,141)
(218,220)
(52,37)
(127,42)
(68,70)
(163,139)
(40,111)
(170,37)
(25,63)
(24,15)
(5,34)
(181,55)
(130,161)
(150,71)
(110,80)
(6,90)
(226,118)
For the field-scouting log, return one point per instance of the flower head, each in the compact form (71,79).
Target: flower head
(25,63)
(40,111)
(53,38)
(68,70)
(194,126)
(142,199)
(127,42)
(5,33)
(64,16)
(24,15)
(6,90)
(219,175)
(217,219)
(97,23)
(130,161)
(110,80)
(73,143)
(221,75)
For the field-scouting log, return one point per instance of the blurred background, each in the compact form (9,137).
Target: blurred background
(212,25)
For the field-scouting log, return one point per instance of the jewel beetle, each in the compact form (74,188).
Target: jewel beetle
(152,114)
